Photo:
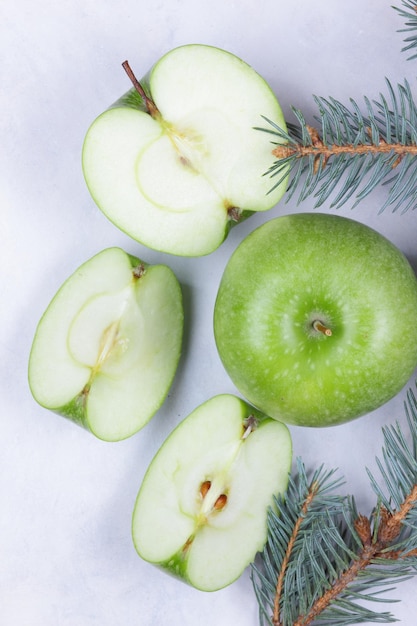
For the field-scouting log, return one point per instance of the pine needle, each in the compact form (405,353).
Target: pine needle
(323,559)
(409,13)
(352,152)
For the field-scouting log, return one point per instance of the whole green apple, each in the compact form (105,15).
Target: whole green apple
(316,319)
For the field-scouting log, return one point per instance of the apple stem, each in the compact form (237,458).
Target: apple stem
(149,103)
(321,328)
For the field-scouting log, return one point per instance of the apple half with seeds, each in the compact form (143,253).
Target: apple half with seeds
(106,349)
(177,160)
(201,511)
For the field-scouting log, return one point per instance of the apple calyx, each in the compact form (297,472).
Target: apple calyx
(234,213)
(321,328)
(148,102)
(139,271)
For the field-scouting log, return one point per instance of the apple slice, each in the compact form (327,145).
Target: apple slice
(175,168)
(106,349)
(201,512)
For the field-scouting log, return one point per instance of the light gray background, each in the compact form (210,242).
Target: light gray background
(66,555)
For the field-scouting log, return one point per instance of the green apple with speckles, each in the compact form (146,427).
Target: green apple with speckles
(106,350)
(201,511)
(177,161)
(316,319)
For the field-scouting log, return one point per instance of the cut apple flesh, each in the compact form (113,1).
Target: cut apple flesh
(201,510)
(177,181)
(106,350)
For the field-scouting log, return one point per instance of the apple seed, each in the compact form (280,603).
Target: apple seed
(205,486)
(220,502)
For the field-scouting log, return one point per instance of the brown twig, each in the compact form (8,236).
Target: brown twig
(389,529)
(322,152)
(280,582)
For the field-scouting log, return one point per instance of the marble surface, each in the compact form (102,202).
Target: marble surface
(66,555)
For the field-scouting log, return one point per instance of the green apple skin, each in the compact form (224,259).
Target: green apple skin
(106,350)
(178,528)
(179,181)
(297,269)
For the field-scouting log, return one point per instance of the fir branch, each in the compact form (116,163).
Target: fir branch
(322,558)
(352,152)
(409,13)
(310,501)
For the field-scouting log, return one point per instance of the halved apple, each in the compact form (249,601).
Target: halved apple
(106,349)
(201,511)
(176,164)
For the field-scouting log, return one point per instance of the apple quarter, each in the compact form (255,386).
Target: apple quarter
(179,179)
(201,511)
(106,350)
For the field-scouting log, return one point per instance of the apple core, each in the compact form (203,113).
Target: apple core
(201,510)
